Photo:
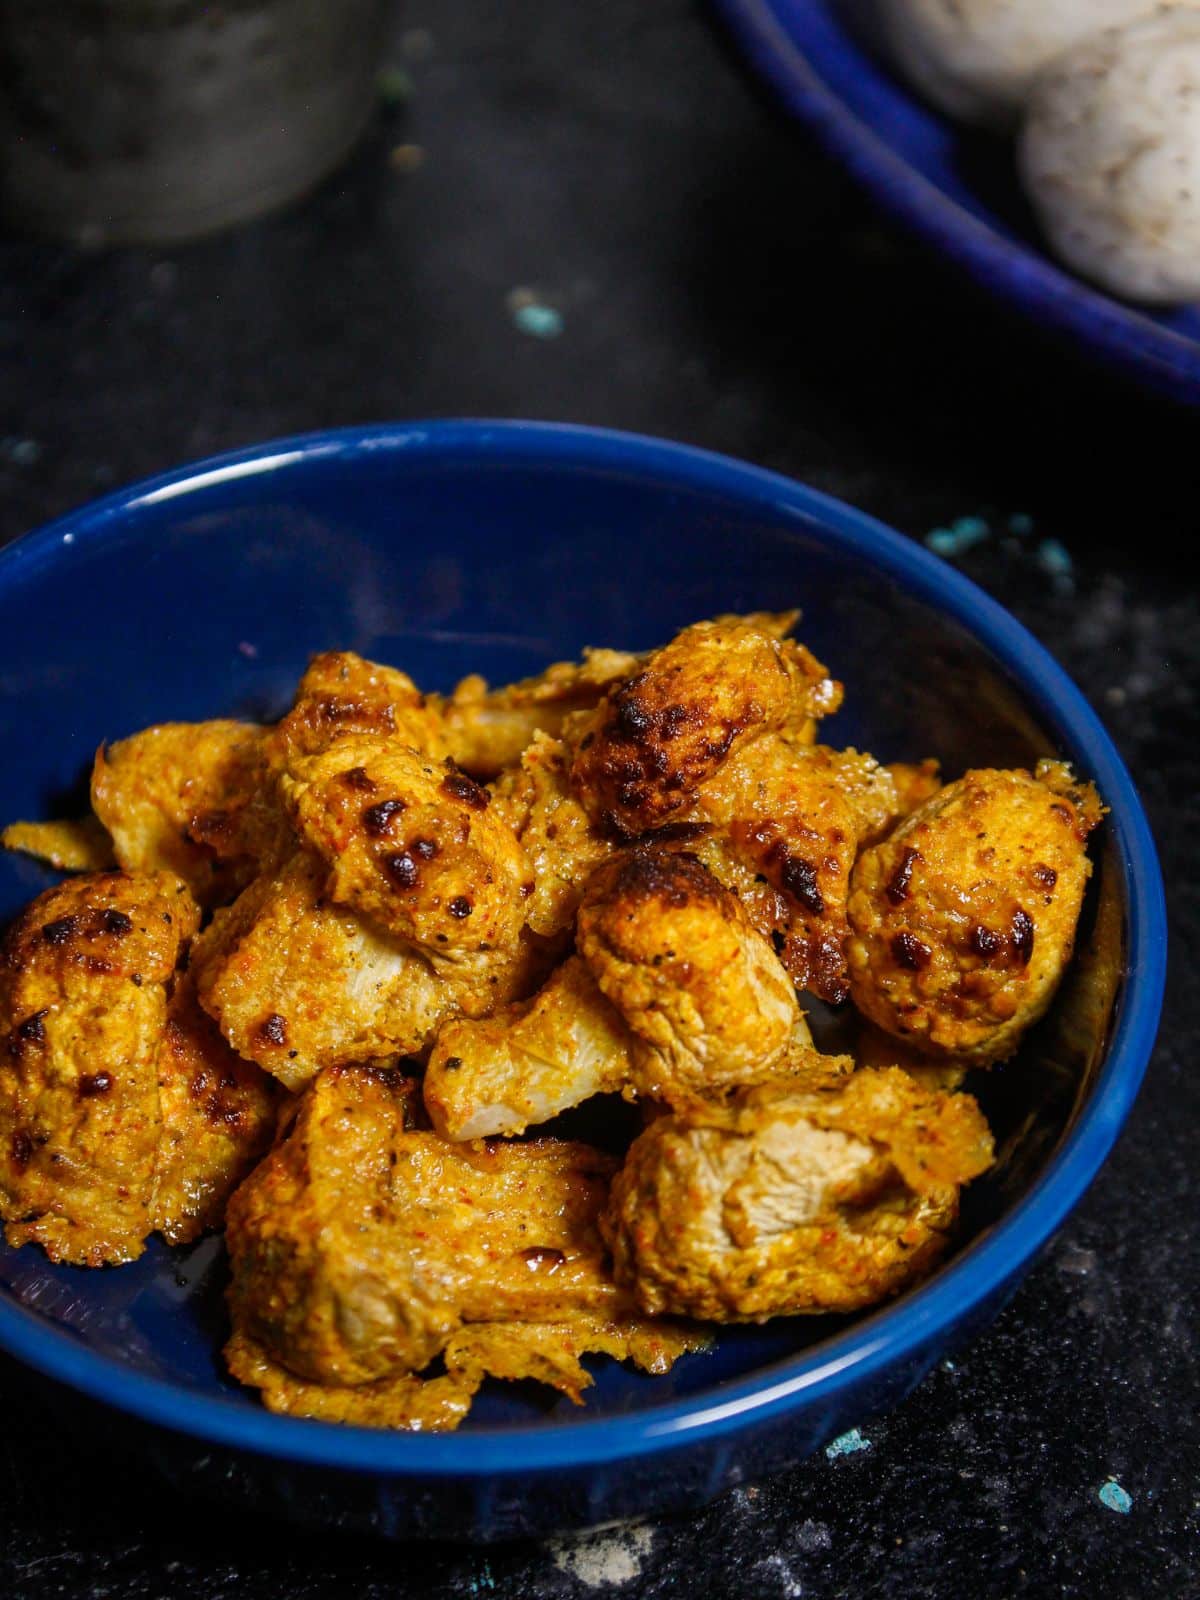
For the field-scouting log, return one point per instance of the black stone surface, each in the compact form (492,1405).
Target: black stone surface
(719,282)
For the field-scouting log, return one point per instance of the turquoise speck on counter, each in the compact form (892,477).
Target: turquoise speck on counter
(969,530)
(846,1444)
(1114,1497)
(542,322)
(1054,557)
(962,533)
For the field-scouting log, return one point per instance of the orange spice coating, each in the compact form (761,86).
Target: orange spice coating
(83,1002)
(342,694)
(529,1061)
(654,739)
(297,983)
(827,1196)
(964,917)
(559,840)
(413,845)
(217,1117)
(195,799)
(677,956)
(362,1244)
(548,1352)
(486,730)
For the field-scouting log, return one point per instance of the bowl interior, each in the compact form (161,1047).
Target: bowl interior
(206,597)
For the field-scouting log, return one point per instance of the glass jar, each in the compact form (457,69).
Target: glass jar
(148,121)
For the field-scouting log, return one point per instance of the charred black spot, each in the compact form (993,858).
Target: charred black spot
(542,1258)
(401,869)
(901,880)
(358,778)
(378,819)
(451,1063)
(425,848)
(59,931)
(210,828)
(677,833)
(984,942)
(459,787)
(336,711)
(460,907)
(674,720)
(674,877)
(136,979)
(611,826)
(631,720)
(799,878)
(274,1028)
(92,1084)
(1022,936)
(718,749)
(778,942)
(227,1115)
(1045,875)
(909,951)
(33,1029)
(116,923)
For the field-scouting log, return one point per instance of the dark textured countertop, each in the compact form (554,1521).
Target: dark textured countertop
(717,281)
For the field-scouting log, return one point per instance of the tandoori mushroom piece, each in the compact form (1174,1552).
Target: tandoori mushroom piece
(296,982)
(122,1110)
(364,1246)
(824,1196)
(964,917)
(83,1003)
(344,695)
(677,956)
(195,799)
(642,754)
(414,845)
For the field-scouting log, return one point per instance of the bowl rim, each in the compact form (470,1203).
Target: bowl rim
(1105,327)
(888,1336)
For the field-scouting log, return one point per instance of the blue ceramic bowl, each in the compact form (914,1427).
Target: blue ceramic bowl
(956,187)
(452,546)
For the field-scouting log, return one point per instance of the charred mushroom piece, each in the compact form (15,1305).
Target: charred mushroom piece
(964,918)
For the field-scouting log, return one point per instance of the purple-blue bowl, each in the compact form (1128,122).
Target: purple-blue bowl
(447,547)
(955,187)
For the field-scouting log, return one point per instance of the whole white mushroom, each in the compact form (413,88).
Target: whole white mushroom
(977,59)
(1110,155)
